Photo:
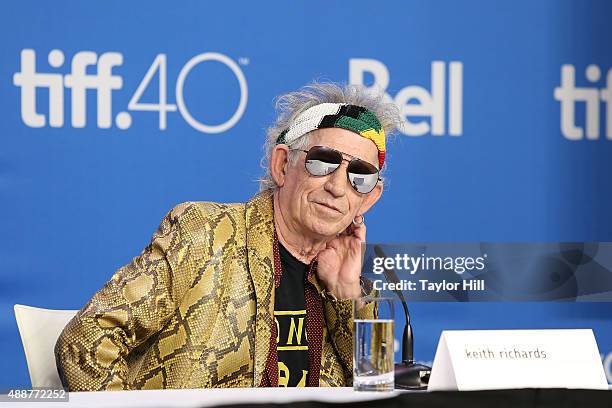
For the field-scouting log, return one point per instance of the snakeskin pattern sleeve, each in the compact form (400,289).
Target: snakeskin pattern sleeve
(134,304)
(339,319)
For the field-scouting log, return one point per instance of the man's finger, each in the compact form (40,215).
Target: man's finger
(360,232)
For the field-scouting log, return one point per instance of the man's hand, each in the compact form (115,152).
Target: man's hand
(339,264)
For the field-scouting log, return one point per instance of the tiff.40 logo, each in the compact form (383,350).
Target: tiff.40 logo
(104,82)
(568,94)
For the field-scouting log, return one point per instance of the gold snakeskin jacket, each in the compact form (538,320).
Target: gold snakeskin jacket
(194,310)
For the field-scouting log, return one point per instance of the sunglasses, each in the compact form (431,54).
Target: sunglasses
(321,161)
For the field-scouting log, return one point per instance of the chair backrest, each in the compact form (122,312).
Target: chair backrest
(39,330)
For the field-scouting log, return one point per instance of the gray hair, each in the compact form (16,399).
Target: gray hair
(289,106)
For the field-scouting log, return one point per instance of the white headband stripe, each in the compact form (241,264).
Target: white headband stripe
(310,120)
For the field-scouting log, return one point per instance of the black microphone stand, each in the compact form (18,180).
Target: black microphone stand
(408,374)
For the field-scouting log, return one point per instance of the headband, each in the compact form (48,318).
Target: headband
(337,115)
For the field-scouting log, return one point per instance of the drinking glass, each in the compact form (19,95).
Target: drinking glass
(373,344)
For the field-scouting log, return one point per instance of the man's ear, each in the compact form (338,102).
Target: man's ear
(278,164)
(371,198)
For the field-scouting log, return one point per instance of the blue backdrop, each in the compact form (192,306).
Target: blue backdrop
(114,112)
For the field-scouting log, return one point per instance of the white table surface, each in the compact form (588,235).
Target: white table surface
(206,397)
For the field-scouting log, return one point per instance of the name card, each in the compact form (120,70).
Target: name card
(496,359)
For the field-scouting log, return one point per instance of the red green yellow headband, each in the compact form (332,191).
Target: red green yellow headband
(338,115)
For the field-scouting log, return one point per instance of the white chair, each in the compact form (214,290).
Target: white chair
(39,330)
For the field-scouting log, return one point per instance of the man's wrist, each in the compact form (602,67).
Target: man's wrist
(340,294)
(327,295)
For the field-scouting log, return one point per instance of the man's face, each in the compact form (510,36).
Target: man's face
(326,205)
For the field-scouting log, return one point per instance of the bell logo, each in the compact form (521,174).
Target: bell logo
(568,95)
(415,102)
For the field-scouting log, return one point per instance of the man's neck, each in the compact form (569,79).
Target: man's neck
(291,236)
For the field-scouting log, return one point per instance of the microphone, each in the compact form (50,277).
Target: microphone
(408,374)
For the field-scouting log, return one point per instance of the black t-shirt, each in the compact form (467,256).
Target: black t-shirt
(290,317)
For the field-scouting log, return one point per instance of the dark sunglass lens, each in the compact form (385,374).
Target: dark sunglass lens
(361,167)
(321,161)
(363,183)
(362,175)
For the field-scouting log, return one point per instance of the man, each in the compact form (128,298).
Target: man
(253,294)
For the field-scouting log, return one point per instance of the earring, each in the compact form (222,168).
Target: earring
(355,223)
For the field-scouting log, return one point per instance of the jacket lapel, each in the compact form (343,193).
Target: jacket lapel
(259,242)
